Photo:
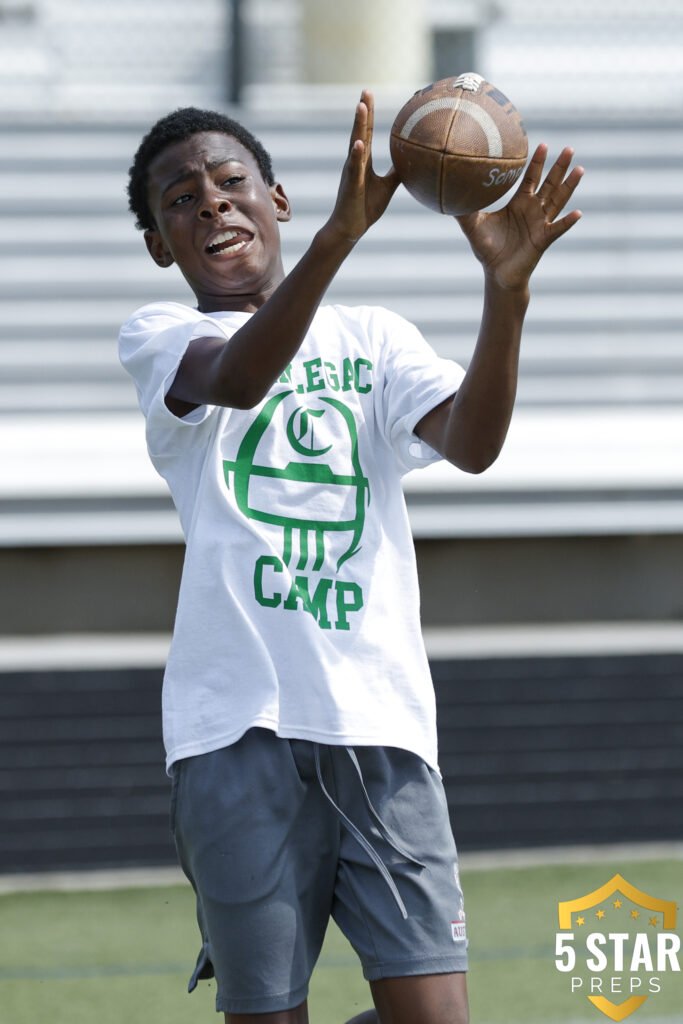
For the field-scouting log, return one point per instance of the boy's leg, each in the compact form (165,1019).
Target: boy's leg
(297,1015)
(427,998)
(413,952)
(259,842)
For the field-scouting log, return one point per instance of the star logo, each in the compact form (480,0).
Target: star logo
(606,904)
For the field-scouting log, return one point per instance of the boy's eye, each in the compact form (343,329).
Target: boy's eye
(234,179)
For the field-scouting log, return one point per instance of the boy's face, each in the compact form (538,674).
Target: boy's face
(218,220)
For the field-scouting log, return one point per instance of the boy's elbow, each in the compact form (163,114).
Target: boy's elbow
(473,468)
(251,393)
(241,400)
(473,462)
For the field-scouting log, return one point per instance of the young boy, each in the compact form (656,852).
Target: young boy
(299,716)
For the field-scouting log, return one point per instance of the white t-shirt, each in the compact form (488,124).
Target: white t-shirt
(298,608)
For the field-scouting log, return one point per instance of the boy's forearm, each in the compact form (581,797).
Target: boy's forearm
(260,350)
(238,373)
(480,414)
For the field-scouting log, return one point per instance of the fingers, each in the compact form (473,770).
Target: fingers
(557,199)
(557,172)
(363,123)
(557,189)
(554,180)
(359,164)
(359,148)
(559,227)
(530,181)
(359,130)
(368,99)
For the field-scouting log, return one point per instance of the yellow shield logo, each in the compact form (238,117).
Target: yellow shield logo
(612,921)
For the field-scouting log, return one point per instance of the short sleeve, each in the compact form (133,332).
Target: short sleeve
(151,345)
(415,380)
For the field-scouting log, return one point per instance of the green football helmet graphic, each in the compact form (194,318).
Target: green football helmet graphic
(303,477)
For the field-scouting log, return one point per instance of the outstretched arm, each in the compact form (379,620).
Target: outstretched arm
(239,372)
(469,429)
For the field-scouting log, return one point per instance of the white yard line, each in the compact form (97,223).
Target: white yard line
(612,853)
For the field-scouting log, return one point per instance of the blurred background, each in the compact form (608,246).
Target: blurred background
(552,593)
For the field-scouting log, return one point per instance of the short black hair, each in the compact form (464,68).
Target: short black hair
(176,127)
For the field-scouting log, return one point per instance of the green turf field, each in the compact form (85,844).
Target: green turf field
(124,956)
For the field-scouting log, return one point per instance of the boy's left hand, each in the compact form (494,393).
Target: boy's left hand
(363,195)
(510,242)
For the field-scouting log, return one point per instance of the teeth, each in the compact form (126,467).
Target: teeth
(219,243)
(225,237)
(228,248)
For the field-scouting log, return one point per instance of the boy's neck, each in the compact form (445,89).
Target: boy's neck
(236,303)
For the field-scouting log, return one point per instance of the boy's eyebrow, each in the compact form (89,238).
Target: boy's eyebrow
(187,172)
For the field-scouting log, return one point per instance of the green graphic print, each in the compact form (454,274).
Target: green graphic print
(306,467)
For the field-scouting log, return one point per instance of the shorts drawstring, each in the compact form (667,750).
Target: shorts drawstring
(358,835)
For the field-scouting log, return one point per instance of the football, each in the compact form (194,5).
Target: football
(459,145)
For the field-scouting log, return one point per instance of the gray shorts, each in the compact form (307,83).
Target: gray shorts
(276,835)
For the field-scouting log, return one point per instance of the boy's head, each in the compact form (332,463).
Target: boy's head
(176,127)
(202,190)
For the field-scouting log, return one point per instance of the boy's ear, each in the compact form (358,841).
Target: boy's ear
(157,249)
(283,210)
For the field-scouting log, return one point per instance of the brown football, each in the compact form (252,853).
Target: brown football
(459,144)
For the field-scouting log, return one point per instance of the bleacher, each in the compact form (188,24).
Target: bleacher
(599,408)
(600,404)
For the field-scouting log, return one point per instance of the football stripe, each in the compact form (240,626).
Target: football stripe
(487,125)
(427,108)
(484,120)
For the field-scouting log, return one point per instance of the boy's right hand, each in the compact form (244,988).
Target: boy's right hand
(238,373)
(363,195)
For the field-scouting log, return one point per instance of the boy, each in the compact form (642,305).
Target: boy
(299,716)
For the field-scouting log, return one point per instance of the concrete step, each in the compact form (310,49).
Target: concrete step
(539,389)
(461,311)
(430,272)
(288,137)
(102,235)
(308,186)
(628,351)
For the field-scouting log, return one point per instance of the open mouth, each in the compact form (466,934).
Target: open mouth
(227,242)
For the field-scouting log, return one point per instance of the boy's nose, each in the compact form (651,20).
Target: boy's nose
(213,203)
